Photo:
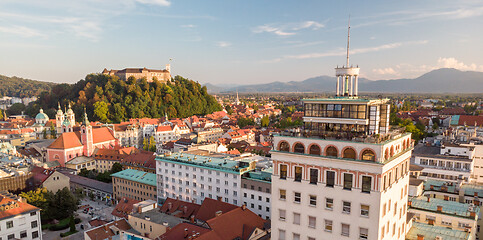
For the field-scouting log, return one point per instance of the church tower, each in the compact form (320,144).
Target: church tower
(70,115)
(86,136)
(59,119)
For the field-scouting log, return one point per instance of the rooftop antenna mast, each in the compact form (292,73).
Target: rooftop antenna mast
(348,40)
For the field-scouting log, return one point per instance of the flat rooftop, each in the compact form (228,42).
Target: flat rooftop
(434,152)
(227,163)
(431,232)
(137,176)
(437,186)
(449,207)
(158,217)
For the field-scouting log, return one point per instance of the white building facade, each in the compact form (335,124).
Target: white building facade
(19,220)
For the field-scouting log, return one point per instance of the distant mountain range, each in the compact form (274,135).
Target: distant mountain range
(444,80)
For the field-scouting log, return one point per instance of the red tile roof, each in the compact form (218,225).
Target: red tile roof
(180,208)
(15,207)
(164,128)
(470,120)
(105,231)
(124,207)
(142,158)
(209,207)
(39,175)
(102,134)
(183,231)
(66,140)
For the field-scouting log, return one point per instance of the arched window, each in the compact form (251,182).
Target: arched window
(386,154)
(314,149)
(299,148)
(283,146)
(392,151)
(331,151)
(349,153)
(368,155)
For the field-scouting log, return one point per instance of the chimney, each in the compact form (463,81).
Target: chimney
(218,213)
(170,205)
(219,199)
(428,199)
(439,209)
(420,237)
(244,207)
(476,194)
(446,198)
(185,209)
(185,232)
(192,218)
(410,203)
(431,187)
(472,214)
(140,209)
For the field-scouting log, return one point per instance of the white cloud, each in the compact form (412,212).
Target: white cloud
(453,63)
(188,26)
(223,44)
(22,31)
(342,52)
(287,29)
(164,3)
(384,71)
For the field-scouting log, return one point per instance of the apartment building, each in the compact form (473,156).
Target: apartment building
(191,177)
(18,220)
(256,189)
(345,175)
(134,184)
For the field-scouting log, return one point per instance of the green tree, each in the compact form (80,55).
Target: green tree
(116,167)
(152,144)
(44,133)
(242,122)
(63,204)
(228,109)
(39,198)
(72,223)
(100,111)
(53,132)
(265,121)
(16,109)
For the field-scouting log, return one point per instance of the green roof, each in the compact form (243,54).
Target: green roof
(438,184)
(470,189)
(431,232)
(456,209)
(226,164)
(137,176)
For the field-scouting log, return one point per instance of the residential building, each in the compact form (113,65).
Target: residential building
(140,160)
(149,221)
(345,175)
(97,189)
(123,208)
(128,135)
(81,162)
(134,184)
(109,230)
(18,220)
(105,158)
(256,190)
(193,177)
(49,179)
(208,134)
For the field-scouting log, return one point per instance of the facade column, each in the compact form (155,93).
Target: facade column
(351,85)
(337,86)
(356,87)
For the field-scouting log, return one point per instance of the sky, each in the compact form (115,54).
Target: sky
(238,42)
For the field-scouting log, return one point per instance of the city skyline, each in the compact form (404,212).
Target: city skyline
(237,42)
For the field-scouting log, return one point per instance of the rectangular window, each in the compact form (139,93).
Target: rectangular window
(366,184)
(33,224)
(328,225)
(330,178)
(312,222)
(346,207)
(283,171)
(347,181)
(35,234)
(10,224)
(281,234)
(296,236)
(23,234)
(296,218)
(281,213)
(298,174)
(313,200)
(297,197)
(314,176)
(363,233)
(329,203)
(345,230)
(364,210)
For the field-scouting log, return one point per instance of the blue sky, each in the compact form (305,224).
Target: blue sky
(238,42)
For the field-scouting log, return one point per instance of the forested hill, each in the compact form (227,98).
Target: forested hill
(109,99)
(21,87)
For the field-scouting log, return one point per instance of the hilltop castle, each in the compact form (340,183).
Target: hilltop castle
(139,73)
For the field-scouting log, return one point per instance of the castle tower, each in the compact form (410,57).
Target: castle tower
(347,76)
(59,119)
(86,136)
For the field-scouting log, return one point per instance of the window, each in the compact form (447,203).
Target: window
(364,210)
(384,210)
(283,194)
(314,149)
(298,174)
(330,178)
(23,234)
(329,203)
(296,236)
(314,176)
(33,213)
(313,200)
(312,222)
(347,181)
(346,207)
(11,236)
(33,224)
(363,233)
(368,155)
(281,214)
(297,197)
(283,171)
(366,184)
(284,147)
(281,234)
(35,234)
(10,224)
(296,218)
(328,225)
(345,230)
(299,148)
(331,151)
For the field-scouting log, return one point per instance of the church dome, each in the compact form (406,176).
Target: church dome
(66,122)
(41,115)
